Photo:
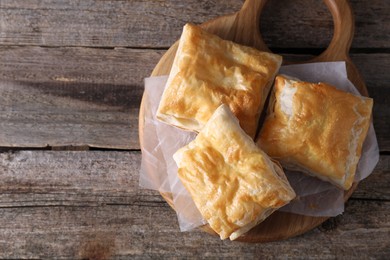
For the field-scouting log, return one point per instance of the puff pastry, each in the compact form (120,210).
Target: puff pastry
(208,71)
(316,128)
(233,183)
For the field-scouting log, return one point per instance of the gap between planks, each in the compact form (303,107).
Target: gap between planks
(153,232)
(99,177)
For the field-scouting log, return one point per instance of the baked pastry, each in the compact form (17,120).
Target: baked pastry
(208,71)
(316,128)
(233,183)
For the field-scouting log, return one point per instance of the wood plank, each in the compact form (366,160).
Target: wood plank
(89,96)
(66,114)
(33,178)
(128,66)
(148,23)
(72,96)
(117,66)
(141,23)
(123,231)
(123,66)
(87,205)
(91,178)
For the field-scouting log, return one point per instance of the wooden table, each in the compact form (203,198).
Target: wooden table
(71,81)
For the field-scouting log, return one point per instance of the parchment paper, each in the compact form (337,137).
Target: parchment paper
(161,141)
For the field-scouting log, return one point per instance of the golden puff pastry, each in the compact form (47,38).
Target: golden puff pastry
(316,128)
(208,71)
(233,183)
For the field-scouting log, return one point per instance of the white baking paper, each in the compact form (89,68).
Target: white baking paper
(153,173)
(161,141)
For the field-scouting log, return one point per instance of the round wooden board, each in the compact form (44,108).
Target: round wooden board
(242,27)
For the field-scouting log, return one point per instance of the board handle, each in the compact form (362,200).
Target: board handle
(338,49)
(249,18)
(344,28)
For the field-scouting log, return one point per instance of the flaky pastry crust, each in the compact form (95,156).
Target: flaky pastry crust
(233,183)
(208,71)
(316,128)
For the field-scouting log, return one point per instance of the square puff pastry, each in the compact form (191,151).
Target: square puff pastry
(233,183)
(316,128)
(208,71)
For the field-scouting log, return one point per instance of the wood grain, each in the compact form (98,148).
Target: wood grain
(103,23)
(110,23)
(90,77)
(115,66)
(71,96)
(39,115)
(121,66)
(72,178)
(87,204)
(92,178)
(123,231)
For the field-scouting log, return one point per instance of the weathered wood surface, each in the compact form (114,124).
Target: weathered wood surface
(285,24)
(33,115)
(87,204)
(71,73)
(66,96)
(127,231)
(91,96)
(39,178)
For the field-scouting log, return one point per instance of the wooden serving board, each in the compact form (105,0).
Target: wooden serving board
(243,27)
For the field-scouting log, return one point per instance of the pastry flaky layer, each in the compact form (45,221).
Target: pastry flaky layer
(316,128)
(233,183)
(208,71)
